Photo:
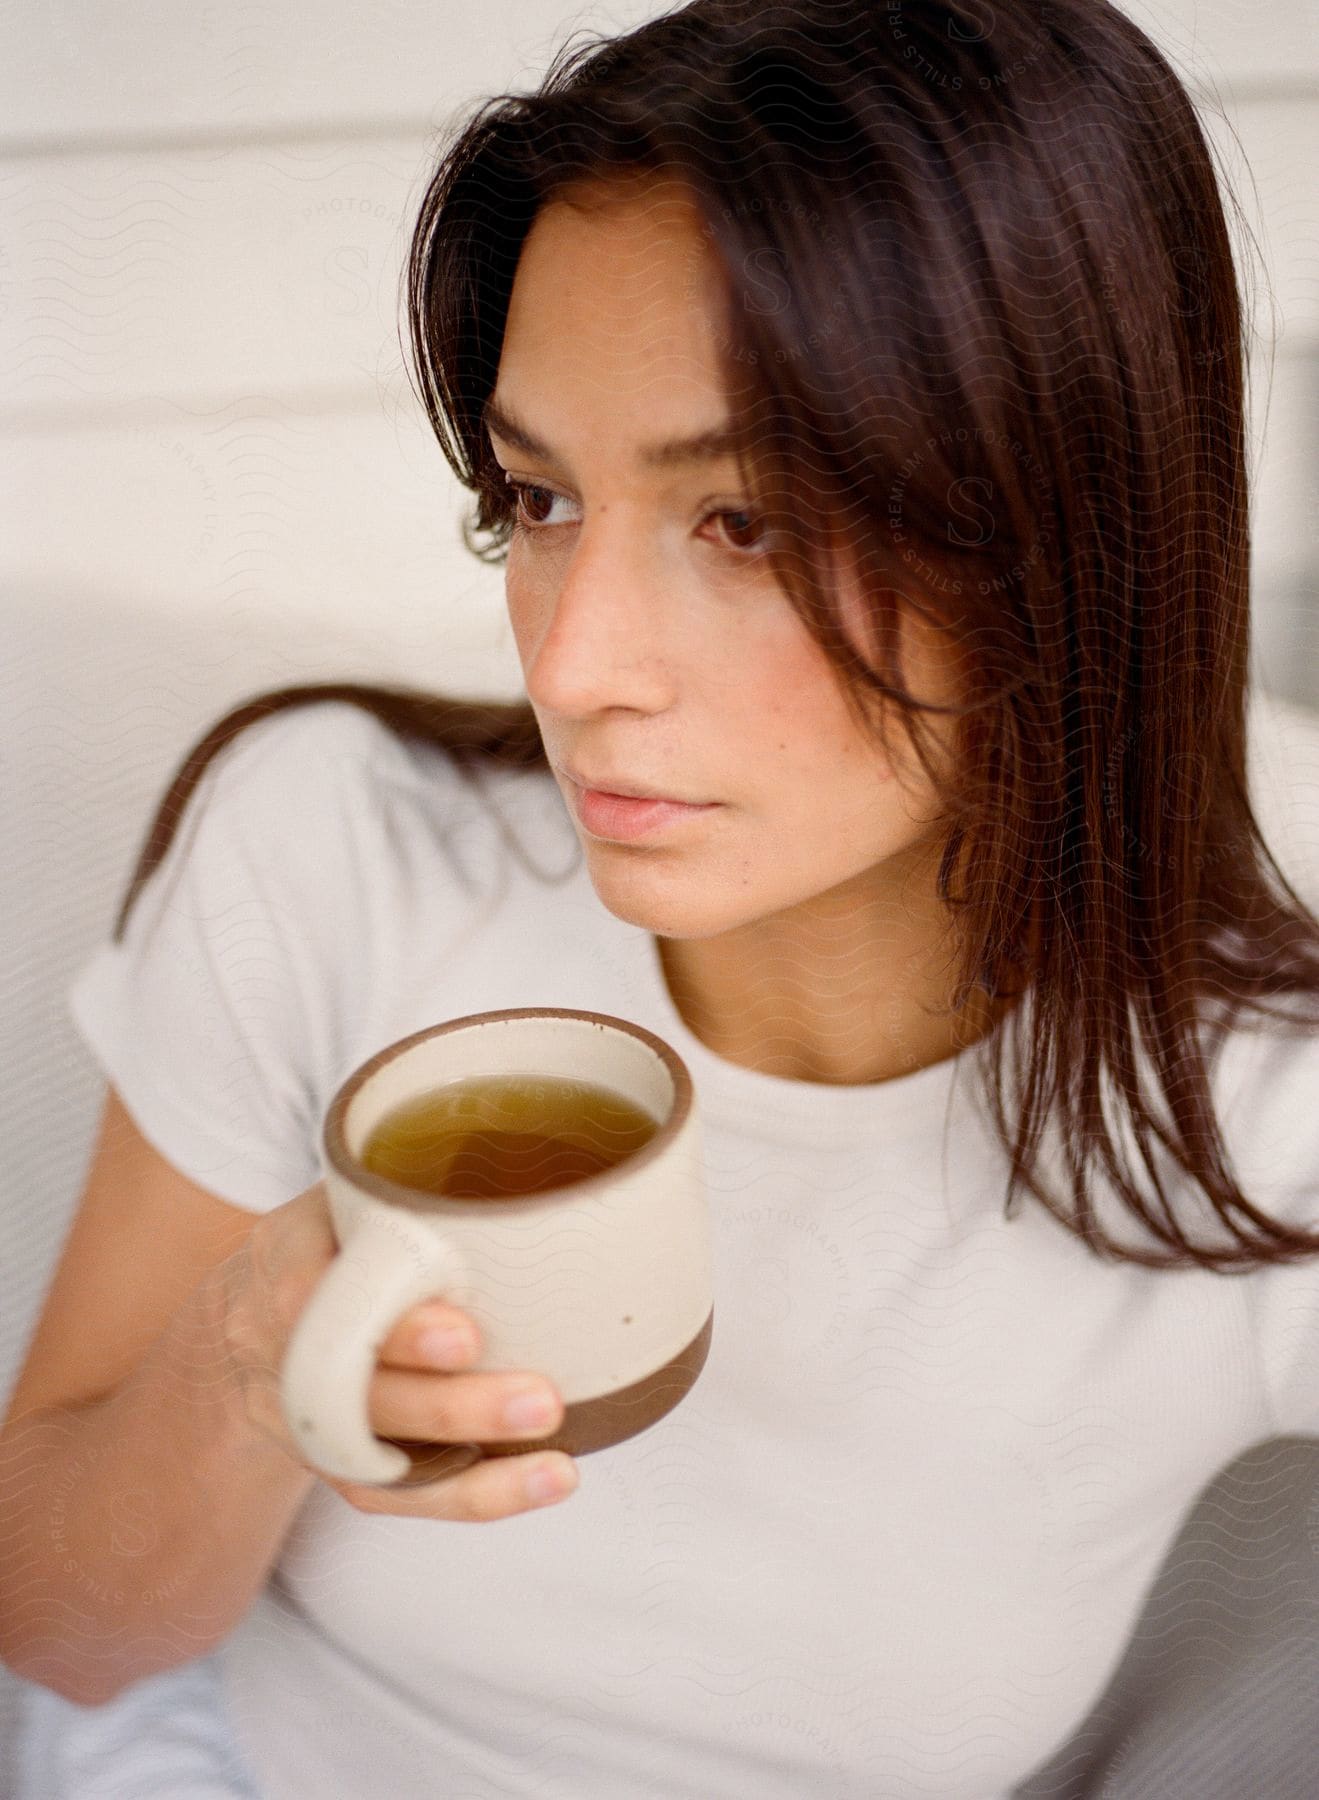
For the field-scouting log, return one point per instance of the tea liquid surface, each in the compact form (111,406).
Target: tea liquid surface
(503,1137)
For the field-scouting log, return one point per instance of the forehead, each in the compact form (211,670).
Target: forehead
(631,256)
(614,315)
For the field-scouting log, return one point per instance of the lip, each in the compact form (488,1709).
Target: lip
(624,790)
(622,818)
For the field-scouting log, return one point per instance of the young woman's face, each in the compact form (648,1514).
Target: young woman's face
(656,647)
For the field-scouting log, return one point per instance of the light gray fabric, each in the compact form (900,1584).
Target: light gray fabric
(166,1738)
(1217,1695)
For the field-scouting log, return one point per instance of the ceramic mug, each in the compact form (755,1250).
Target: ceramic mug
(602,1285)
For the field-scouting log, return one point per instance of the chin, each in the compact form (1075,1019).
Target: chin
(666,902)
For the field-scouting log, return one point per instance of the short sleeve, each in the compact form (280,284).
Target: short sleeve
(1273,1137)
(202,1017)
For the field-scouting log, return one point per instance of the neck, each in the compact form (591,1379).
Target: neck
(849,989)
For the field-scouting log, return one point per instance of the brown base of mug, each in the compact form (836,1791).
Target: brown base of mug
(587,1424)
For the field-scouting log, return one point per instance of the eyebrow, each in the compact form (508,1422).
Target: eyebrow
(668,453)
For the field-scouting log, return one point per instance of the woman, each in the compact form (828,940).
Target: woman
(856,396)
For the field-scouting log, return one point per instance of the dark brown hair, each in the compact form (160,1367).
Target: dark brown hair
(980,311)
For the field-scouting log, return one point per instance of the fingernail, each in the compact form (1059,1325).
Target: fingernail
(444,1344)
(551,1481)
(527,1410)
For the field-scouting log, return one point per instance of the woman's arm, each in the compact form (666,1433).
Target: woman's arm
(136,1529)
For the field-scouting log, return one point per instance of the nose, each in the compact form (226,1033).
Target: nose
(596,619)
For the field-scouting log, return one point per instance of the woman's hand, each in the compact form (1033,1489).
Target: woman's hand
(416,1392)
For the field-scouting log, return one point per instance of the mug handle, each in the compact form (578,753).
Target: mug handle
(385,1266)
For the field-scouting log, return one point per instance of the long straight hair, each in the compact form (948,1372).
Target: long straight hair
(979,312)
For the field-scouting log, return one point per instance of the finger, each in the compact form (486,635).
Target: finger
(495,1488)
(456,1409)
(457,1340)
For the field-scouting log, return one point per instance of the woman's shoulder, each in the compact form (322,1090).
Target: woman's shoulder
(330,782)
(313,743)
(332,747)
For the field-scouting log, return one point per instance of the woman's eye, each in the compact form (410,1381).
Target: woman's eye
(528,497)
(742,530)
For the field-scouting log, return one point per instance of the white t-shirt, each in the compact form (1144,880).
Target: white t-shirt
(895,1539)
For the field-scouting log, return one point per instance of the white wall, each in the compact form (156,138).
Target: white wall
(202,399)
